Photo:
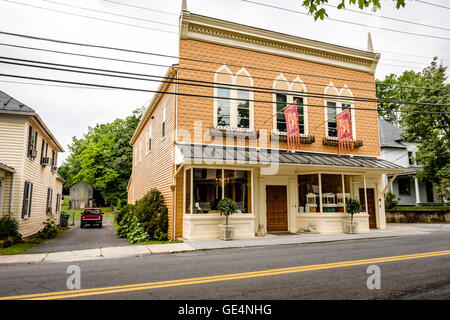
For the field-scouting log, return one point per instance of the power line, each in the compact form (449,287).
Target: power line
(143,8)
(433,4)
(179,57)
(177,80)
(89,17)
(389,18)
(349,22)
(188,94)
(109,13)
(52,85)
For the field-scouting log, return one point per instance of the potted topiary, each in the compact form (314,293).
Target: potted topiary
(353,206)
(227,207)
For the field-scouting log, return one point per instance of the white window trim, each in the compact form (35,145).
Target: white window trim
(149,136)
(339,103)
(163,120)
(289,100)
(233,99)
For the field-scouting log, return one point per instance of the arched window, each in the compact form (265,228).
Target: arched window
(335,105)
(284,95)
(233,107)
(348,103)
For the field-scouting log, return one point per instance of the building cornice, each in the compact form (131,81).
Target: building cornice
(207,29)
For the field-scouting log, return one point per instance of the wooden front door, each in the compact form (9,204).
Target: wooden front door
(370,205)
(276,204)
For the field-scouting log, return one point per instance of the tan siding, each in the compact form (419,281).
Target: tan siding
(7,179)
(155,170)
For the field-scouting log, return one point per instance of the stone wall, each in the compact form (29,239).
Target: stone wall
(425,215)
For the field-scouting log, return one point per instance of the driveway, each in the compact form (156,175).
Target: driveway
(87,238)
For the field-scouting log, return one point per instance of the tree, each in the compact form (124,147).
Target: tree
(103,157)
(430,130)
(316,7)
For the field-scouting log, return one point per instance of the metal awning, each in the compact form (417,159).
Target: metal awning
(249,155)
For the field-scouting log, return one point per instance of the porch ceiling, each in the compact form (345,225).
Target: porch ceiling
(6,168)
(248,155)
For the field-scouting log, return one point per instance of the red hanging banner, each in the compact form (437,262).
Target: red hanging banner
(344,128)
(292,128)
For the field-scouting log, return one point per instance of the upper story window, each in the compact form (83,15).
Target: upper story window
(54,160)
(44,150)
(335,105)
(411,158)
(32,142)
(233,107)
(149,140)
(163,122)
(286,95)
(140,150)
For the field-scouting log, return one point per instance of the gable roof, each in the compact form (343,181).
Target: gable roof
(390,135)
(9,105)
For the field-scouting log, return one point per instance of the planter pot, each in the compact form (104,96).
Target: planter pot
(350,226)
(227,231)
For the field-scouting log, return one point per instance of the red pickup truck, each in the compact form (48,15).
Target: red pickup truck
(91,216)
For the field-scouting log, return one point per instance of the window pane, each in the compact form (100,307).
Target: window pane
(301,115)
(308,192)
(281,103)
(331,186)
(207,190)
(354,188)
(243,109)
(188,191)
(238,187)
(223,107)
(331,114)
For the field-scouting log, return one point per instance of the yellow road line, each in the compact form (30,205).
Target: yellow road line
(217,278)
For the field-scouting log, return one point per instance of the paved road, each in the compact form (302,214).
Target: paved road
(87,238)
(425,278)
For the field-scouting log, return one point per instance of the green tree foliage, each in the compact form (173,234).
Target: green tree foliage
(103,157)
(430,130)
(316,7)
(390,200)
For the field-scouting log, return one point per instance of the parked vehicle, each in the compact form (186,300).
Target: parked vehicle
(91,216)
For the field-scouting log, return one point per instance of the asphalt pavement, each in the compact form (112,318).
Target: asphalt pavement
(425,277)
(77,238)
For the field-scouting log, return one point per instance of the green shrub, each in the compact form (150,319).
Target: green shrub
(9,228)
(153,214)
(123,212)
(49,231)
(390,200)
(132,229)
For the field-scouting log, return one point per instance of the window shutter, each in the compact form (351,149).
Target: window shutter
(25,202)
(30,137)
(29,201)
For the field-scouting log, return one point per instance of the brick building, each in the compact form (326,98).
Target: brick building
(224,137)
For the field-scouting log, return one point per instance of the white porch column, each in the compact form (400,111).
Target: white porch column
(416,185)
(292,205)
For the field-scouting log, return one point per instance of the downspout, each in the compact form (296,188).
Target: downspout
(11,195)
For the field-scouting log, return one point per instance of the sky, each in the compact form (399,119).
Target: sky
(69,110)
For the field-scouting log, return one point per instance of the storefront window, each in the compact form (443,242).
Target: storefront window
(309,193)
(238,188)
(354,188)
(207,190)
(331,187)
(188,191)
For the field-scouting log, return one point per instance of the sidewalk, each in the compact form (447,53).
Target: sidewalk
(395,230)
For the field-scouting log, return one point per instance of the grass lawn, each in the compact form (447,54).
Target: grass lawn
(418,208)
(76,213)
(20,248)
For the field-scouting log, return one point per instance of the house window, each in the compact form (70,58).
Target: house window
(140,150)
(49,200)
(223,107)
(309,193)
(207,190)
(27,196)
(331,124)
(32,142)
(149,141)
(58,203)
(243,109)
(163,122)
(404,186)
(54,160)
(410,158)
(282,101)
(44,149)
(238,188)
(188,191)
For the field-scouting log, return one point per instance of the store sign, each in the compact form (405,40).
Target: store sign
(345,136)
(292,128)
